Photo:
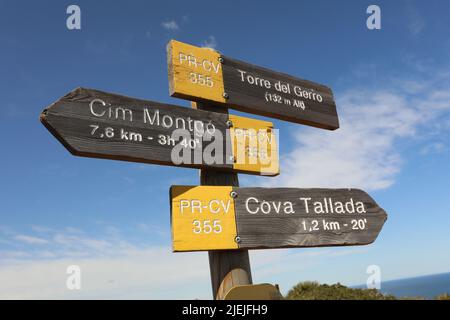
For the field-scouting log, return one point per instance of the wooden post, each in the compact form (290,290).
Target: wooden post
(228,268)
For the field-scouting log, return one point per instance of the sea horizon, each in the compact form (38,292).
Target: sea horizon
(425,286)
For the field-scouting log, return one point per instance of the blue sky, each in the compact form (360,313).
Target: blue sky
(392,88)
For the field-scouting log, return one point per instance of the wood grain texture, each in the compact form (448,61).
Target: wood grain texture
(262,291)
(71,121)
(276,217)
(251,98)
(281,230)
(228,268)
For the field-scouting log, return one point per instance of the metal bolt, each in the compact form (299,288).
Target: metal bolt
(220,59)
(237,239)
(229,123)
(233,194)
(225,95)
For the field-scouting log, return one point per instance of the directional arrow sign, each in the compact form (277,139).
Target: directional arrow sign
(97,124)
(220,217)
(202,74)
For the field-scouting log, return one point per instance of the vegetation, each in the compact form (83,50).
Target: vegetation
(444,296)
(315,291)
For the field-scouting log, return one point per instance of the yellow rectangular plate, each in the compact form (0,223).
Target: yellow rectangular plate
(202,219)
(193,69)
(255,146)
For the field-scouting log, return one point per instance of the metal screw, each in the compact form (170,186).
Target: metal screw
(229,123)
(225,95)
(233,194)
(220,59)
(237,239)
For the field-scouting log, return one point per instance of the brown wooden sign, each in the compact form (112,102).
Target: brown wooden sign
(225,217)
(92,123)
(202,74)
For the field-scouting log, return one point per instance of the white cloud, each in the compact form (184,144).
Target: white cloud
(67,242)
(152,273)
(9,255)
(275,263)
(73,230)
(41,229)
(416,22)
(155,229)
(117,269)
(210,43)
(433,148)
(363,152)
(147,273)
(30,239)
(171,25)
(5,229)
(111,267)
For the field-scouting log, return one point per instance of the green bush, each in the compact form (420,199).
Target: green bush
(315,291)
(444,296)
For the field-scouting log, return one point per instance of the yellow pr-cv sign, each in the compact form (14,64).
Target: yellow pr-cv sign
(202,221)
(254,146)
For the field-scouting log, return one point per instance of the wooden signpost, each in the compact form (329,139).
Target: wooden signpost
(222,217)
(263,291)
(202,74)
(97,124)
(219,216)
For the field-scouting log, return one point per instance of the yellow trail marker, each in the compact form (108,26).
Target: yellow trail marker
(194,69)
(202,220)
(255,146)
